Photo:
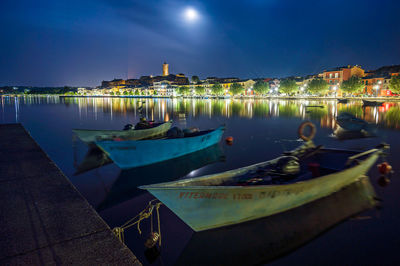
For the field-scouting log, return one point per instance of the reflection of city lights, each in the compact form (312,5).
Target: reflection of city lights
(163,109)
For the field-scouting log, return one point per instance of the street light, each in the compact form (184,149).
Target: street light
(376,88)
(334,89)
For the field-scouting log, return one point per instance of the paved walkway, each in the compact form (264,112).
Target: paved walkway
(44,220)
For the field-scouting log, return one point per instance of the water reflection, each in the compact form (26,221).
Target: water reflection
(386,115)
(93,159)
(125,185)
(274,236)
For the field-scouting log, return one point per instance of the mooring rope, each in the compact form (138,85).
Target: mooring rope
(144,214)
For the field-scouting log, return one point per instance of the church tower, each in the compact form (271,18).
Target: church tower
(165,69)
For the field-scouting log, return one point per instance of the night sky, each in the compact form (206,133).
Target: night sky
(82,42)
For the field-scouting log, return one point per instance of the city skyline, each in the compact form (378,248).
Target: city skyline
(80,44)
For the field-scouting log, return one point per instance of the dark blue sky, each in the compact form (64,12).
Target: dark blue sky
(82,42)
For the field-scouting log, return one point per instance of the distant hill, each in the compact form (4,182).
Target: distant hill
(387,69)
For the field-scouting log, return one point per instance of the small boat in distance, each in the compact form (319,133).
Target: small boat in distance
(349,122)
(136,133)
(298,177)
(133,153)
(372,103)
(342,100)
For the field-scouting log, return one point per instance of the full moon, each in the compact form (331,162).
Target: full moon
(191,14)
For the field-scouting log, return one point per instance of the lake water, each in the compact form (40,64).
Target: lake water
(316,234)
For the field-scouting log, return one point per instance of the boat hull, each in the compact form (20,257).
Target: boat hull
(90,136)
(372,103)
(208,207)
(130,153)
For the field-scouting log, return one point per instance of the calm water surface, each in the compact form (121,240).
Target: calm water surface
(262,129)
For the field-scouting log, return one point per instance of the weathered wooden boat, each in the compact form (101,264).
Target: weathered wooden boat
(342,100)
(372,103)
(263,240)
(348,121)
(133,153)
(92,135)
(300,176)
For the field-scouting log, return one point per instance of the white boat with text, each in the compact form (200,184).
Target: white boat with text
(297,177)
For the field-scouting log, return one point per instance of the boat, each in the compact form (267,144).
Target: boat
(297,177)
(372,103)
(271,237)
(91,135)
(349,122)
(314,106)
(134,153)
(343,134)
(342,100)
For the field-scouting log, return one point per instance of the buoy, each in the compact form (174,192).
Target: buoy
(383,181)
(313,130)
(152,240)
(384,168)
(229,140)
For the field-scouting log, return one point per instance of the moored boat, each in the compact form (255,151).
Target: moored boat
(342,100)
(348,121)
(131,153)
(372,103)
(298,177)
(154,129)
(271,237)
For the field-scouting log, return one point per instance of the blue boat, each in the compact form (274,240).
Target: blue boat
(349,122)
(133,153)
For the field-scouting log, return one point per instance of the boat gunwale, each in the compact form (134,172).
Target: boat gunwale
(120,130)
(210,131)
(164,185)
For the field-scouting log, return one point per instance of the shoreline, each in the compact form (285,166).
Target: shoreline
(316,98)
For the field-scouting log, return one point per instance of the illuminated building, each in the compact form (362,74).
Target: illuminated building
(165,69)
(335,77)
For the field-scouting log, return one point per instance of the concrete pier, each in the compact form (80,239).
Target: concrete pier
(44,220)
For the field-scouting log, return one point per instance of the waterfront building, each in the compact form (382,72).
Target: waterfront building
(376,85)
(334,77)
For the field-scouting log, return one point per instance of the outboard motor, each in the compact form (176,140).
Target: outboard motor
(191,130)
(128,127)
(175,132)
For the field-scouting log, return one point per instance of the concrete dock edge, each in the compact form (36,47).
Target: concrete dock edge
(44,219)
